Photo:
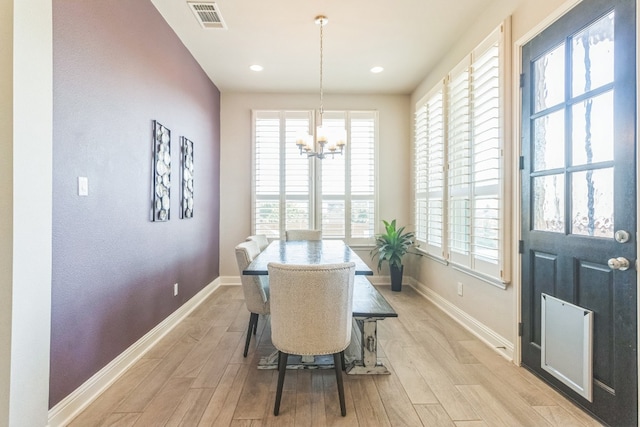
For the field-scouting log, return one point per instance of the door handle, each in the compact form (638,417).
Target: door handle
(620,263)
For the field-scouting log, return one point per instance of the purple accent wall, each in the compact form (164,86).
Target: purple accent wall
(118,66)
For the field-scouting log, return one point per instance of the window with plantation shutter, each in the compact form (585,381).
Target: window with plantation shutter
(333,181)
(462,211)
(459,164)
(362,187)
(486,147)
(336,194)
(429,172)
(297,191)
(266,207)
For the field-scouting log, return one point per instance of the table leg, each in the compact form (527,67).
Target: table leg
(368,364)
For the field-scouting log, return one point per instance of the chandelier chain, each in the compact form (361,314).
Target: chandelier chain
(321,61)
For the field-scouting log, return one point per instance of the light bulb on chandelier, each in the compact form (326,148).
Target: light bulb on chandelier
(332,140)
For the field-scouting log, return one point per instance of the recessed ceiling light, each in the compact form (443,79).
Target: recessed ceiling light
(377,70)
(256,67)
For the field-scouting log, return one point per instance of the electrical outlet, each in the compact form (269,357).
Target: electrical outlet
(460,288)
(83,186)
(175,289)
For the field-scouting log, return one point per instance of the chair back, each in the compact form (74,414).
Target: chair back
(255,288)
(311,307)
(261,240)
(303,235)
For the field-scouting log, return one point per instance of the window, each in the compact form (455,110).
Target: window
(429,172)
(291,191)
(459,209)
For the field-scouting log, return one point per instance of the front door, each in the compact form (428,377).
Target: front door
(579,195)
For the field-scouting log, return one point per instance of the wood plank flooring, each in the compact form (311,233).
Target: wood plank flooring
(441,375)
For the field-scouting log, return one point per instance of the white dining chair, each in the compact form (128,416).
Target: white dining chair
(261,240)
(303,235)
(311,314)
(255,288)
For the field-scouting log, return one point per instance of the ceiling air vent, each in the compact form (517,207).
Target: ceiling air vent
(207,14)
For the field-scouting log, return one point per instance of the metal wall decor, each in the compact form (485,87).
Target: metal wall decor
(186,208)
(161,172)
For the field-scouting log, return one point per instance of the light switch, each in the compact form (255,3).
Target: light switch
(83,186)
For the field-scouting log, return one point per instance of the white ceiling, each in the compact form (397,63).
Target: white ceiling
(406,37)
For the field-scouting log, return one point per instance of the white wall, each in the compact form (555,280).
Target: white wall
(25,210)
(235,168)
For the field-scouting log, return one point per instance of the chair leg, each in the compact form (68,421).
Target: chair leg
(253,321)
(255,326)
(343,363)
(337,364)
(282,368)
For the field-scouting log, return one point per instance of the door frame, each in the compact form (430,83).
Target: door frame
(517,152)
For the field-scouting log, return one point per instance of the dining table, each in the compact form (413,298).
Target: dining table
(369,306)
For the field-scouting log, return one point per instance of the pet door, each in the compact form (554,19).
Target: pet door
(567,344)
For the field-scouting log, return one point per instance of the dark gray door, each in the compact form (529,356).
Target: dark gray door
(579,190)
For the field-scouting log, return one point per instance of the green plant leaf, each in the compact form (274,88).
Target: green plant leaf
(392,245)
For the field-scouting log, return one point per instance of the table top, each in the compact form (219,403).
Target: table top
(306,252)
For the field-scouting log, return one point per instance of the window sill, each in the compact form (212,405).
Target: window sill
(423,253)
(494,281)
(498,283)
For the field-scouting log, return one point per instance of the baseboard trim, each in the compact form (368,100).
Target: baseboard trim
(79,399)
(495,341)
(230,280)
(381,280)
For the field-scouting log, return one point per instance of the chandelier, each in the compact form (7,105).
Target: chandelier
(326,141)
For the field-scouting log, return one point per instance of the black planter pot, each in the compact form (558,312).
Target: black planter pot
(396,277)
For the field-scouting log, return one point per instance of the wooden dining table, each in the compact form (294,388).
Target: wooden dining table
(369,306)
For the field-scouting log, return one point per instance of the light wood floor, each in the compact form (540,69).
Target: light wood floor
(441,376)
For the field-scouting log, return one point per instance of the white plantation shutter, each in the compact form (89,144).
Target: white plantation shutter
(333,184)
(475,160)
(486,145)
(429,172)
(459,161)
(436,169)
(362,149)
(348,181)
(462,211)
(298,192)
(420,171)
(266,209)
(336,194)
(282,196)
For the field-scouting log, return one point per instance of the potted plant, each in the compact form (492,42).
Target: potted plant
(391,246)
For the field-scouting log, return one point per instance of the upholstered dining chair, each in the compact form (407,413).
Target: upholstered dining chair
(311,313)
(255,288)
(261,240)
(303,234)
